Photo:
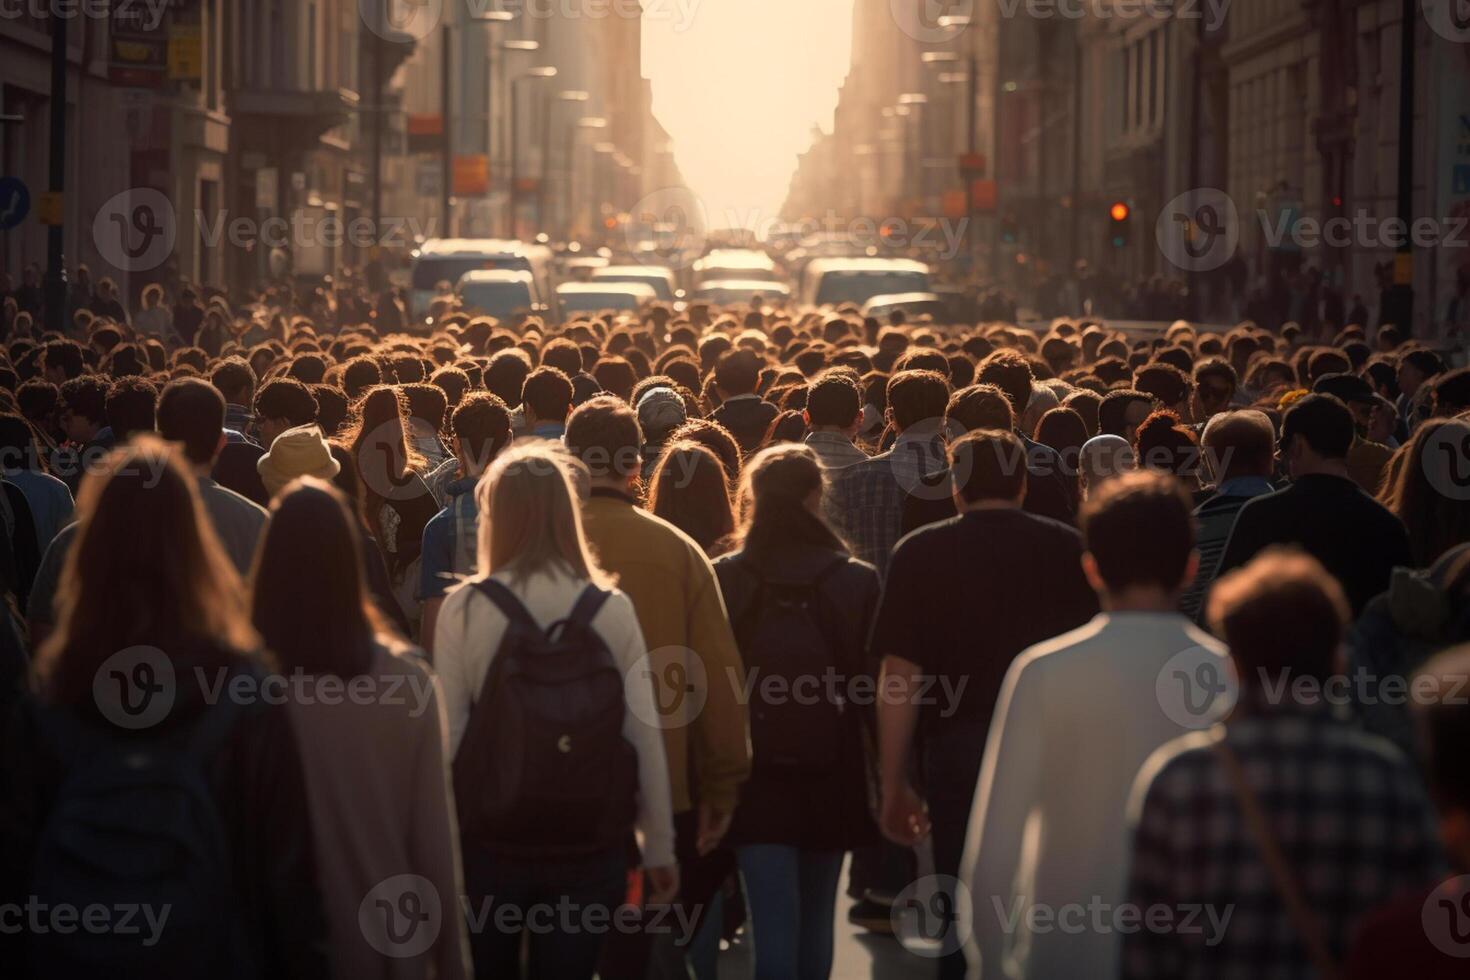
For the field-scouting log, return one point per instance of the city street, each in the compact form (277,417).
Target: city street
(483,479)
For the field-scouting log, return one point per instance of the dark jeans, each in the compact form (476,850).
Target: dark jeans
(792,898)
(564,910)
(951,765)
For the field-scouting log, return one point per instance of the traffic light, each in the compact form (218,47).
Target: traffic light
(1010,230)
(1120,224)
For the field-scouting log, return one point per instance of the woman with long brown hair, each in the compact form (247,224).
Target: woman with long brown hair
(1424,488)
(144,687)
(387,742)
(801,607)
(689,489)
(396,502)
(539,604)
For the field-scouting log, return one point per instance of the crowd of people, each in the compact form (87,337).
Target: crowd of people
(556,650)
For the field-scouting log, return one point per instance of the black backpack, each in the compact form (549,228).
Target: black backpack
(543,770)
(785,631)
(135,824)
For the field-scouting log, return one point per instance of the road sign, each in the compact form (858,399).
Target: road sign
(15,202)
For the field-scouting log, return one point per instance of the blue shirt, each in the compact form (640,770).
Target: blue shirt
(450,543)
(50,500)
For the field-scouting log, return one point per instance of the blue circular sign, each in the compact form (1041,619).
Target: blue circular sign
(15,202)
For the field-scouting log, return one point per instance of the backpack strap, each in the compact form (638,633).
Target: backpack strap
(508,603)
(588,605)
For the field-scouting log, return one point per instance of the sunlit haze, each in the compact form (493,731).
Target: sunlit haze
(739,84)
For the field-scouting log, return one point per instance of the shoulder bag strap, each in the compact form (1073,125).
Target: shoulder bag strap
(1308,926)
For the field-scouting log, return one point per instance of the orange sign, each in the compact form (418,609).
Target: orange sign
(955,204)
(983,195)
(471,175)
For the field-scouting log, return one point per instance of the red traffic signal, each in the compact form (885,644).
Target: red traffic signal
(1119,211)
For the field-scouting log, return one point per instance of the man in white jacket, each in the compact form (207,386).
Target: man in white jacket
(1045,860)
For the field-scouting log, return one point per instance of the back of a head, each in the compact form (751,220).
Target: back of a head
(286,398)
(1009,371)
(1241,443)
(1063,430)
(547,391)
(1281,614)
(738,372)
(774,490)
(506,374)
(1104,457)
(604,434)
(988,465)
(833,399)
(980,406)
(689,488)
(531,515)
(1166,445)
(1452,392)
(481,423)
(131,407)
(915,397)
(145,569)
(307,585)
(1323,422)
(191,411)
(1164,382)
(1112,414)
(1139,529)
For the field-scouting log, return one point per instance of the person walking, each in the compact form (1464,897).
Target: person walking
(801,607)
(376,767)
(554,765)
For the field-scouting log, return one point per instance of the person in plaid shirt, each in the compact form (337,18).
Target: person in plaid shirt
(1346,810)
(867,499)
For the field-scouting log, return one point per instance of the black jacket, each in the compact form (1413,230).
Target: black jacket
(830,813)
(747,419)
(260,792)
(1330,518)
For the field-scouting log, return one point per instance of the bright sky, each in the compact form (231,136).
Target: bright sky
(738,84)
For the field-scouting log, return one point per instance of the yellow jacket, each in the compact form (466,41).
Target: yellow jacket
(694,663)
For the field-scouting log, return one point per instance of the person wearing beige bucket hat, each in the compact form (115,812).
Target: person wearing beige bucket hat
(297,452)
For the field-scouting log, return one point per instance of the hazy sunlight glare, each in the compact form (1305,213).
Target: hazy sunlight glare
(739,84)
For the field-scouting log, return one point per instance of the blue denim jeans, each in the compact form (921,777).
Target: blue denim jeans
(791,897)
(545,903)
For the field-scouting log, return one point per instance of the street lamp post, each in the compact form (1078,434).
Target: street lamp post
(588,123)
(545,71)
(569,97)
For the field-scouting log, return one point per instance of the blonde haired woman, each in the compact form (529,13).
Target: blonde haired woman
(522,650)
